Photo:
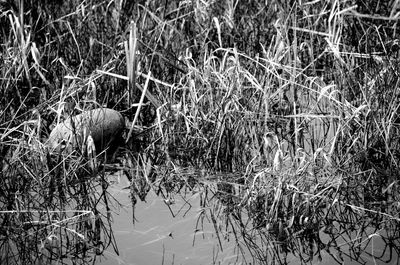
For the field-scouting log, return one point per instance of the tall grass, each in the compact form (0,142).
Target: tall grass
(298,99)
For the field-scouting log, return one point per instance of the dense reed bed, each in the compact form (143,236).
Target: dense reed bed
(297,102)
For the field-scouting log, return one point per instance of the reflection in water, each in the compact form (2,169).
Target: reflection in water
(194,217)
(58,213)
(170,215)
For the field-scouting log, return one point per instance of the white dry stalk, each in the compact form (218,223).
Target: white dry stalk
(139,106)
(278,159)
(149,96)
(91,152)
(130,50)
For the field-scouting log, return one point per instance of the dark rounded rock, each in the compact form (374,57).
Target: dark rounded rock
(104,125)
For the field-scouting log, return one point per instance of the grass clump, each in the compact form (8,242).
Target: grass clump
(50,205)
(298,101)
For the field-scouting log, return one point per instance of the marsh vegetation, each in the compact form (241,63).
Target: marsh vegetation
(283,116)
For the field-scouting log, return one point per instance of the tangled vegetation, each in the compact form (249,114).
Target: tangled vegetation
(296,102)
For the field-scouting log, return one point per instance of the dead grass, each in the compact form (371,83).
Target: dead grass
(299,102)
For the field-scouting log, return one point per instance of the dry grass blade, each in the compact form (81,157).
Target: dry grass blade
(149,96)
(131,60)
(138,108)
